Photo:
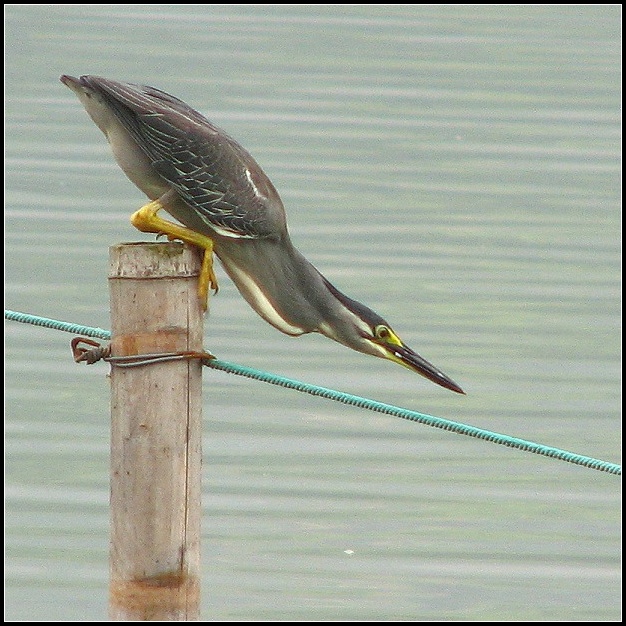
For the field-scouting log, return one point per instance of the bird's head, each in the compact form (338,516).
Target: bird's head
(360,328)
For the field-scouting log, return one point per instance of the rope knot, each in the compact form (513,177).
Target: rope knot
(99,352)
(89,355)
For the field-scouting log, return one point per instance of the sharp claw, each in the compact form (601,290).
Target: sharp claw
(213,283)
(146,220)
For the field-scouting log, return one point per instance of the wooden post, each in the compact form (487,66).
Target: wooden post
(156,445)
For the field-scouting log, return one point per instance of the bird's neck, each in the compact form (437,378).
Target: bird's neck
(272,276)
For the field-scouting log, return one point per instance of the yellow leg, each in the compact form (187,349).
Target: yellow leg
(147,221)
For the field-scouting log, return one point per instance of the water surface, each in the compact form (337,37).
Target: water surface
(457,169)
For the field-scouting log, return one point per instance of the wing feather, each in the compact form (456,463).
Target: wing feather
(211,172)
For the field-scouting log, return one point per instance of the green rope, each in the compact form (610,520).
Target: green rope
(346,398)
(75,329)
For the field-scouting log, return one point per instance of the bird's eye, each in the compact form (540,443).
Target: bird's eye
(382,332)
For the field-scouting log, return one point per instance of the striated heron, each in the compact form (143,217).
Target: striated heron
(211,185)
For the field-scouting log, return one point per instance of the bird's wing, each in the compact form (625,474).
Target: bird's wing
(213,174)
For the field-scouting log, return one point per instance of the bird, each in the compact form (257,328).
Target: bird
(226,205)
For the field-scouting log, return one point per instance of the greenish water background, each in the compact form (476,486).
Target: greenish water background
(458,169)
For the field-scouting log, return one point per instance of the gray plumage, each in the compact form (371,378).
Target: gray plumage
(209,183)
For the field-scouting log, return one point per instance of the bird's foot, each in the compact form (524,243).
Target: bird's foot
(147,221)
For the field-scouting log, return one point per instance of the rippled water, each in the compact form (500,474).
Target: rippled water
(457,168)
